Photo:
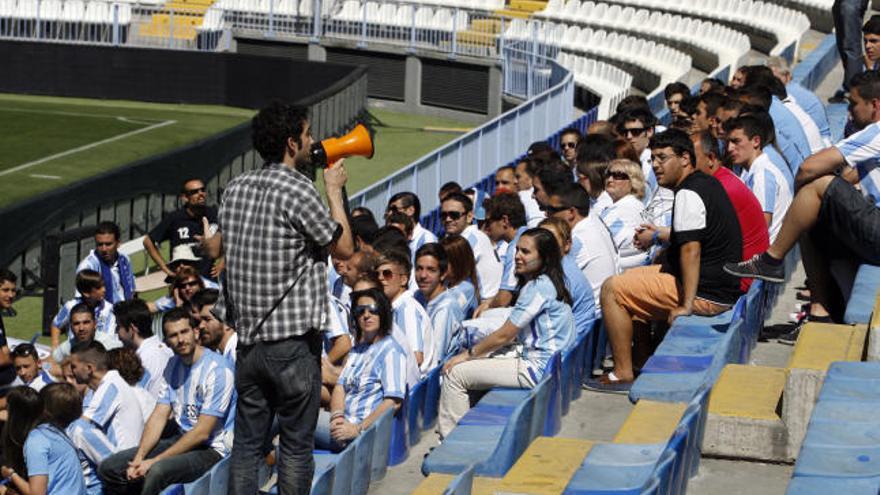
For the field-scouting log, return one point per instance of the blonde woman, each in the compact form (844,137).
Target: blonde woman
(625,184)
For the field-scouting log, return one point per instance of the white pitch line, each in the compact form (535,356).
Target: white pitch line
(24,166)
(42,176)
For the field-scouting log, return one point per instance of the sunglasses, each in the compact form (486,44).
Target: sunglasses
(453,215)
(24,350)
(553,209)
(633,131)
(190,192)
(358,311)
(617,175)
(191,283)
(385,274)
(393,209)
(568,145)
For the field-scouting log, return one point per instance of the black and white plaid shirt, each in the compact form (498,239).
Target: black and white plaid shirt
(275,229)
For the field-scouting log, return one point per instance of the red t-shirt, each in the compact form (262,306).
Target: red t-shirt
(756,238)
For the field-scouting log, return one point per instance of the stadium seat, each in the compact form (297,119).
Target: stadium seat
(615,469)
(864,294)
(546,466)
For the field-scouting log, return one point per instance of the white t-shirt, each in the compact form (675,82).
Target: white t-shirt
(154,356)
(534,215)
(594,252)
(489,267)
(115,409)
(622,218)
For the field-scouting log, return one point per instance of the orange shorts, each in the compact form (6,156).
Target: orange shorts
(649,295)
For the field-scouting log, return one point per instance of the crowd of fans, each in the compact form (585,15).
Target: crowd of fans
(632,223)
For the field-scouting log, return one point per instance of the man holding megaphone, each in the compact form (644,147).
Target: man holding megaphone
(276,237)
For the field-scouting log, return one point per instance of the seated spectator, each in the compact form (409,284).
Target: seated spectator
(363,230)
(805,98)
(373,380)
(624,150)
(568,142)
(763,76)
(626,187)
(447,189)
(82,323)
(583,306)
(111,405)
(185,284)
(541,321)
(505,179)
(707,106)
(744,147)
(831,218)
(594,154)
(674,93)
(7,296)
(38,456)
(394,272)
(505,221)
(705,235)
(408,204)
(592,246)
(432,266)
(524,171)
(202,418)
(457,215)
(362,211)
(29,368)
(135,330)
(738,79)
(90,286)
(213,333)
(114,267)
(360,263)
(127,363)
(637,127)
(711,85)
(401,222)
(601,128)
(688,108)
(337,341)
(462,279)
(334,277)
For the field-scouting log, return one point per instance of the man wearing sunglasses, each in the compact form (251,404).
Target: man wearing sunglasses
(456,213)
(568,143)
(637,127)
(181,226)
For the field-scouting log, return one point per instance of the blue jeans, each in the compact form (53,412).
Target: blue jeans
(283,378)
(181,468)
(848,16)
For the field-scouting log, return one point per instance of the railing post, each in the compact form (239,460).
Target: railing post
(316,21)
(454,33)
(115,24)
(38,30)
(271,33)
(501,39)
(531,62)
(363,41)
(171,28)
(412,30)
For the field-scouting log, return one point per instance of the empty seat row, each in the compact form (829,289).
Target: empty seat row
(668,63)
(727,43)
(608,82)
(788,25)
(66,11)
(302,8)
(443,19)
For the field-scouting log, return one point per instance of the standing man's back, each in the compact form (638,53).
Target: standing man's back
(276,232)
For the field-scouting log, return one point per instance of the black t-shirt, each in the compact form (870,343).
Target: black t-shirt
(703,212)
(7,373)
(178,227)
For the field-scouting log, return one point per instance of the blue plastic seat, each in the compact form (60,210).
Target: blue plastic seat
(615,468)
(461,484)
(864,294)
(663,478)
(219,476)
(342,465)
(677,364)
(322,480)
(492,450)
(415,410)
(382,445)
(399,441)
(363,460)
(432,398)
(825,486)
(841,462)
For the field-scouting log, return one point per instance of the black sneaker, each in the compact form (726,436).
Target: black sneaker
(756,268)
(839,97)
(791,337)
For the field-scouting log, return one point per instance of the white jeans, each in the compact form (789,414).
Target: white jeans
(479,374)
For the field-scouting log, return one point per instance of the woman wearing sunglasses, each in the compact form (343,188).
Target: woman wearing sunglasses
(186,283)
(541,323)
(625,184)
(374,377)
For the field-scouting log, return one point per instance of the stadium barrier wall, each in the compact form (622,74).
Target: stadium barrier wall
(136,196)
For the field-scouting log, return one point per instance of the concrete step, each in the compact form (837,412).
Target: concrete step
(436,484)
(521,14)
(818,345)
(486,26)
(650,422)
(528,5)
(743,418)
(546,466)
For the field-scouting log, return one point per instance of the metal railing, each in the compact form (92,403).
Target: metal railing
(470,158)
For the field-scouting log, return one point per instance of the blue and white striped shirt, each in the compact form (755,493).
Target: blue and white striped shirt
(446,317)
(91,262)
(769,186)
(546,325)
(105,320)
(420,237)
(779,162)
(508,277)
(42,379)
(583,305)
(337,323)
(92,448)
(812,105)
(115,410)
(206,387)
(789,136)
(372,373)
(466,296)
(412,318)
(862,152)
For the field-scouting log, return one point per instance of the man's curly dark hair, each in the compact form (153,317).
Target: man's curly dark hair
(273,125)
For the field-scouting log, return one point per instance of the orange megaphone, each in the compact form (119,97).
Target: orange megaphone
(356,143)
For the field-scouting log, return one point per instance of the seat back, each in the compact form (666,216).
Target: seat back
(382,445)
(553,405)
(515,438)
(415,410)
(362,465)
(220,476)
(399,440)
(461,484)
(322,481)
(432,398)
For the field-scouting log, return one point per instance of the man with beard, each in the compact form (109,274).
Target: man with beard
(114,267)
(180,227)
